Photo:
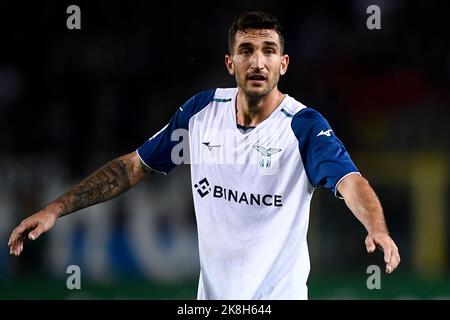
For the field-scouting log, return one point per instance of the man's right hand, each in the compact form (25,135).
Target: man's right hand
(32,227)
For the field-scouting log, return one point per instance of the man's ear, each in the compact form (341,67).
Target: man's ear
(229,64)
(284,64)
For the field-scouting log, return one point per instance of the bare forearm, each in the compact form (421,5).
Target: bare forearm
(108,182)
(363,202)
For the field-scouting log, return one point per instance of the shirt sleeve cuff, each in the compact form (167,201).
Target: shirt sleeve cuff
(145,164)
(336,193)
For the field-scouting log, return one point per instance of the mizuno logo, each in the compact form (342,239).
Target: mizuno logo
(211,146)
(325,133)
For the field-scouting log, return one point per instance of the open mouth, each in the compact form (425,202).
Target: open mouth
(257,77)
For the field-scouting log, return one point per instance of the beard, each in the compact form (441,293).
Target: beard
(254,93)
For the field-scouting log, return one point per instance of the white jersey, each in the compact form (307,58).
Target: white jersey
(252,191)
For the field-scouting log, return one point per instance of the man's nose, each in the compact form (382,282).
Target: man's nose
(257,61)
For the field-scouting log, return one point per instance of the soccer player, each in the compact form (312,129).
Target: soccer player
(256,157)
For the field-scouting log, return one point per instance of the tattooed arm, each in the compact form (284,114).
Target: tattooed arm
(108,182)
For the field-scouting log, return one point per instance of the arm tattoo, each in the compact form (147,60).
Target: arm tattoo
(106,183)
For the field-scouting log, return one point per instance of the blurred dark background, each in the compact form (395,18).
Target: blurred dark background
(70,100)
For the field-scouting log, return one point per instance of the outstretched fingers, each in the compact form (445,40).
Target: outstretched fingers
(32,228)
(387,257)
(389,248)
(391,255)
(394,259)
(18,235)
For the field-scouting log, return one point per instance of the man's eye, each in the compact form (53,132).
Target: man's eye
(245,51)
(270,51)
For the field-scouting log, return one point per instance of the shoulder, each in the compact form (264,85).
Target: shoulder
(308,118)
(201,98)
(309,123)
(201,101)
(204,98)
(224,94)
(300,113)
(309,114)
(195,104)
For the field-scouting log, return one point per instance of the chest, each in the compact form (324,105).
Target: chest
(265,150)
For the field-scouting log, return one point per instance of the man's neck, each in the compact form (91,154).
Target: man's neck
(251,112)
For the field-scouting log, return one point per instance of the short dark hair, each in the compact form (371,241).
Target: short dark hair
(254,20)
